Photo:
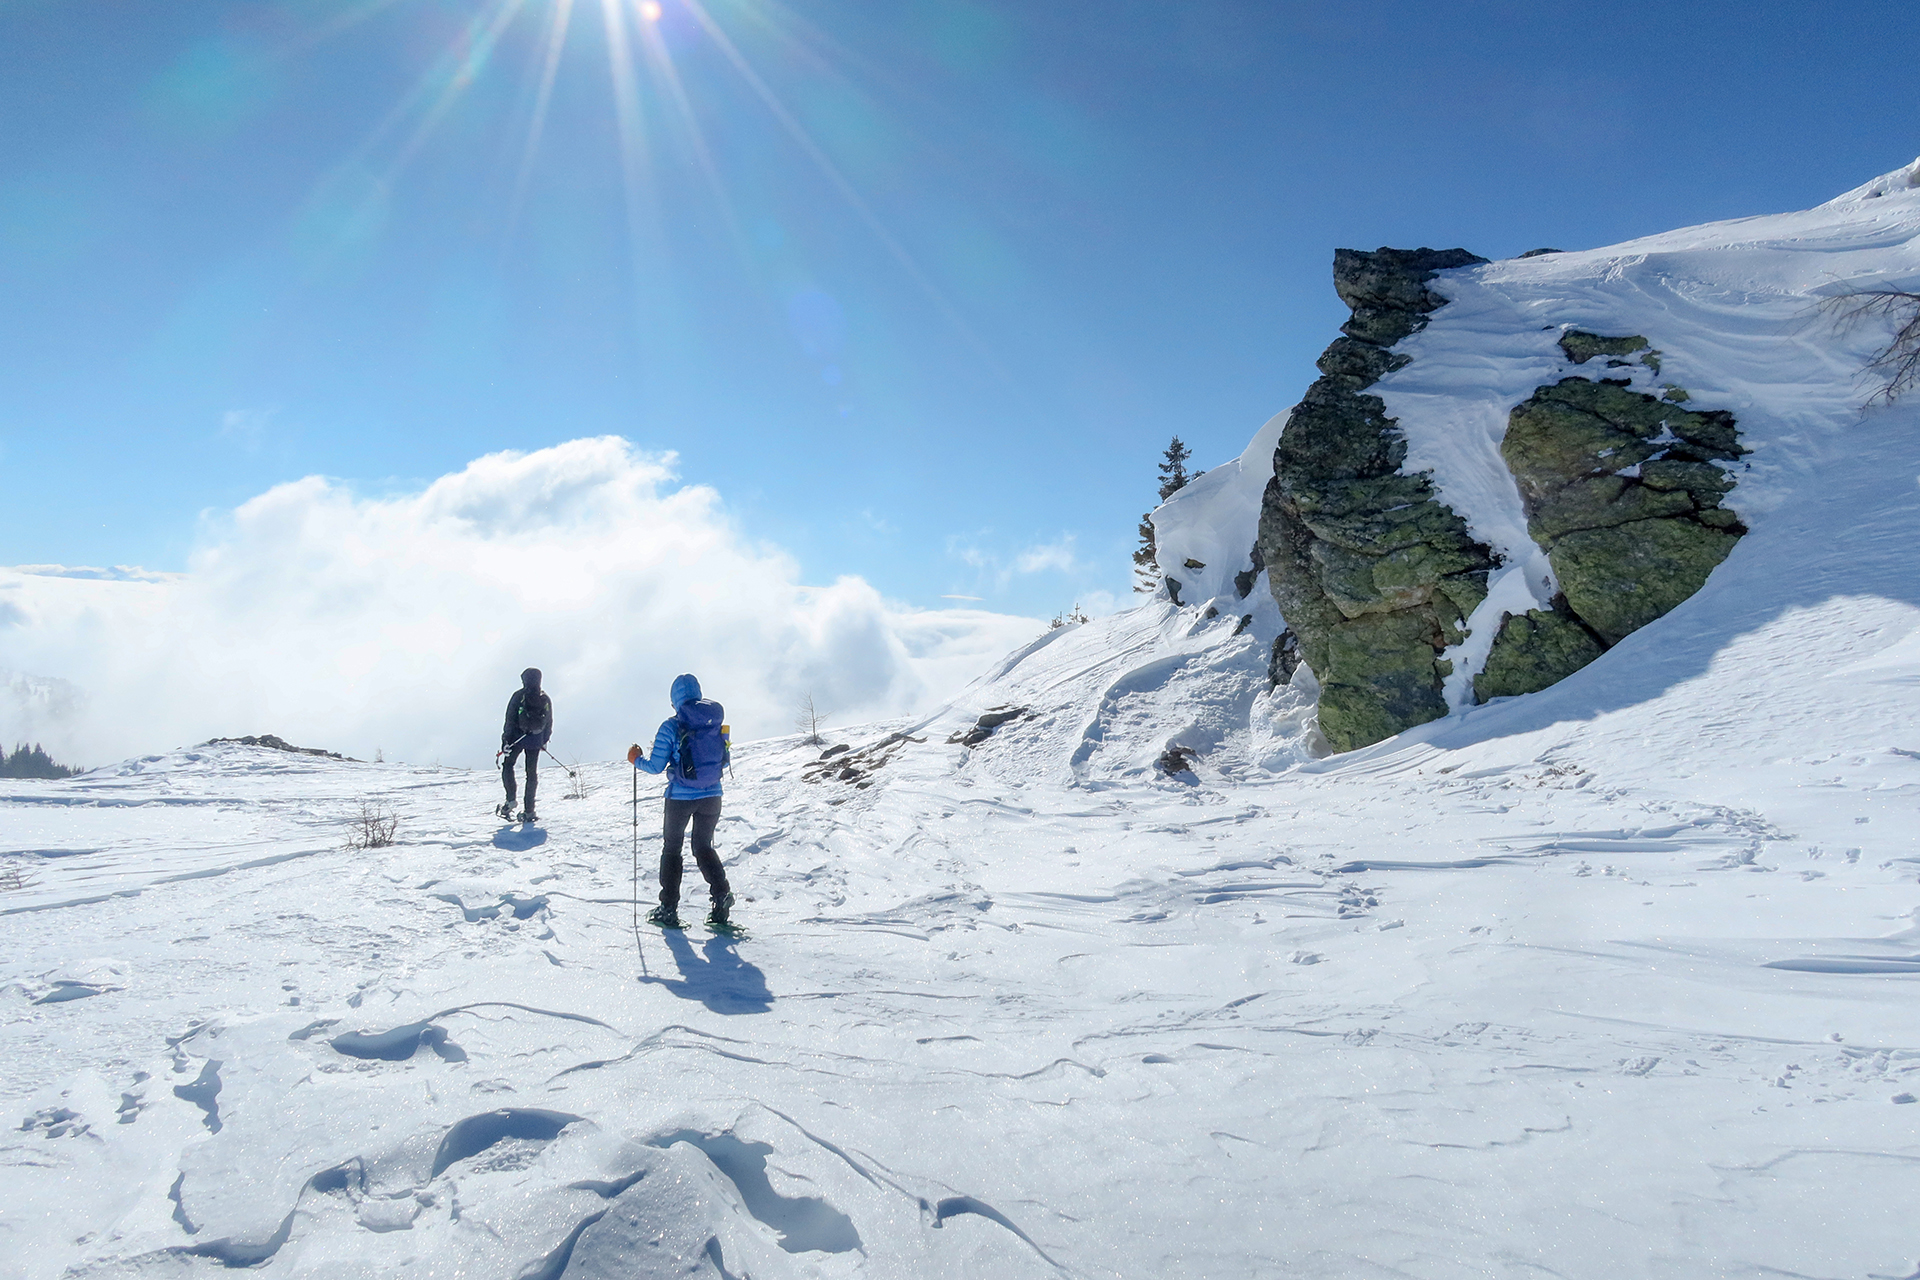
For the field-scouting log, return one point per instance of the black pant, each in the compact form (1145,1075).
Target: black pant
(706,816)
(533,771)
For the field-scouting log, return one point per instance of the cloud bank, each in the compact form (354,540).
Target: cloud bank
(403,622)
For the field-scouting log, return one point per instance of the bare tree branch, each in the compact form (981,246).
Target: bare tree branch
(808,719)
(1899,361)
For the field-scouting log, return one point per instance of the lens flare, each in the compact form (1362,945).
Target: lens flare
(656,112)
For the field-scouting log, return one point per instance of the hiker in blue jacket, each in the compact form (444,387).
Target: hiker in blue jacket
(692,748)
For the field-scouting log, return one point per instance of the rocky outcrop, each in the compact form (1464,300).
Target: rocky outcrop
(1373,574)
(1535,649)
(276,743)
(1623,493)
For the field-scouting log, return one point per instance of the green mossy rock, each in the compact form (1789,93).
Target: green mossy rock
(1380,327)
(1705,481)
(1582,347)
(1361,361)
(1335,434)
(1617,580)
(1395,279)
(1464,592)
(1371,572)
(1379,676)
(1621,492)
(1551,442)
(1597,502)
(1592,455)
(1534,650)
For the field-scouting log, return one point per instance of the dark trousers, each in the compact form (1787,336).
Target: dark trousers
(705,816)
(533,771)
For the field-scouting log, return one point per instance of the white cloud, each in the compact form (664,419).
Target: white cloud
(1056,556)
(247,427)
(340,621)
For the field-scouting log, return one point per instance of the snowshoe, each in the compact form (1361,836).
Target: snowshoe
(665,917)
(720,919)
(527,815)
(503,811)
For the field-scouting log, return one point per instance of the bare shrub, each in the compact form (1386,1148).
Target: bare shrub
(577,788)
(807,720)
(373,828)
(1899,361)
(12,878)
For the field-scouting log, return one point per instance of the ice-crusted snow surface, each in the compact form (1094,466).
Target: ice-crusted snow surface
(1614,980)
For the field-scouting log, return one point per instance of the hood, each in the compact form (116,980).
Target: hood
(685,689)
(530,679)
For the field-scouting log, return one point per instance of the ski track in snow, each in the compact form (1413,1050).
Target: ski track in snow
(1612,980)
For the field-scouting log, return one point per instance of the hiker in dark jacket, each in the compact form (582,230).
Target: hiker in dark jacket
(691,748)
(529,725)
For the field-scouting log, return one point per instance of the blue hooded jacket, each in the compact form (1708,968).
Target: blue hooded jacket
(666,743)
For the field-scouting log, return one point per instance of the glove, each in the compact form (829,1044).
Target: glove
(633,753)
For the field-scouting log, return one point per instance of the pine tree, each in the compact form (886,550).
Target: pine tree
(1173,469)
(32,762)
(1173,478)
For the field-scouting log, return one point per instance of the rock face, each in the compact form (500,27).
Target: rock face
(1622,493)
(278,743)
(1376,576)
(1373,575)
(1533,650)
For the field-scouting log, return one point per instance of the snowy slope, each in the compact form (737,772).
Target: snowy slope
(1614,980)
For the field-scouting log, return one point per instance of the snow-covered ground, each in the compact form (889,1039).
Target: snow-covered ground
(1615,980)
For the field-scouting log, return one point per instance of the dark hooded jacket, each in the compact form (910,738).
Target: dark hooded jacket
(529,714)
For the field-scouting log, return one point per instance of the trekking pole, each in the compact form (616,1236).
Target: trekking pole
(557,760)
(637,946)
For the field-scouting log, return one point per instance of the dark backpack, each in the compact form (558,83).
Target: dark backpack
(702,752)
(536,712)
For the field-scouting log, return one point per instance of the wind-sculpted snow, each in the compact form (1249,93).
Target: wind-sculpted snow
(1614,979)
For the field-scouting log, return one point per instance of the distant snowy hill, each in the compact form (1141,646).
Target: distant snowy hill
(1108,967)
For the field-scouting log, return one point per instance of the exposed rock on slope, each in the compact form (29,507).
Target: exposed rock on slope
(1622,492)
(1373,574)
(277,743)
(1377,577)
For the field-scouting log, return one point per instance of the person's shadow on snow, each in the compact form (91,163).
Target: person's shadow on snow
(519,839)
(716,976)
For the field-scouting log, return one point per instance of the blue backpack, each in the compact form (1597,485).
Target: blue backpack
(702,751)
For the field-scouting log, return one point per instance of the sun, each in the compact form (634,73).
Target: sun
(650,10)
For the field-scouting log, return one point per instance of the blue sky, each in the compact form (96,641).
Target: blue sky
(921,288)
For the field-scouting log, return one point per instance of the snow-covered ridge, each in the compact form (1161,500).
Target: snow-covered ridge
(1733,308)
